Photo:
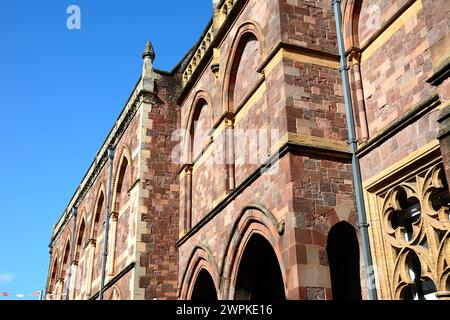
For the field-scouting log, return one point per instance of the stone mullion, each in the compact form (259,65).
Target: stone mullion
(433,248)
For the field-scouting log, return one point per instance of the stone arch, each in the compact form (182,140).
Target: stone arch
(115,294)
(65,258)
(201,259)
(352,11)
(411,283)
(247,29)
(99,205)
(80,238)
(253,219)
(204,288)
(125,159)
(54,272)
(331,218)
(194,111)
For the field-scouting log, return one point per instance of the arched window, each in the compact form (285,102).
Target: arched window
(65,260)
(343,259)
(200,128)
(96,233)
(98,213)
(244,75)
(123,185)
(118,237)
(54,275)
(80,240)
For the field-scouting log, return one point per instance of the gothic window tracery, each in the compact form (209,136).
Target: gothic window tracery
(415,223)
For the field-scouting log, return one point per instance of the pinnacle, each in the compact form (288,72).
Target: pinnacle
(148,51)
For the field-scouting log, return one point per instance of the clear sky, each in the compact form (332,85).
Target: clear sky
(60,92)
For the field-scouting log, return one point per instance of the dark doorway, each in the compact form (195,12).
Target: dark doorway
(204,289)
(259,276)
(343,259)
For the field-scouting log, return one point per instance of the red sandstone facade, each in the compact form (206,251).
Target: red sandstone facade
(232,176)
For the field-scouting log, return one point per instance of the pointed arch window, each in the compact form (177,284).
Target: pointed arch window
(200,130)
(98,213)
(123,185)
(65,260)
(80,240)
(54,275)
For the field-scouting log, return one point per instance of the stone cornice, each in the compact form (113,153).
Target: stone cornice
(444,122)
(91,241)
(221,13)
(208,54)
(442,74)
(135,100)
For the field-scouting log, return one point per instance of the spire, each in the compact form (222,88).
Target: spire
(148,75)
(148,51)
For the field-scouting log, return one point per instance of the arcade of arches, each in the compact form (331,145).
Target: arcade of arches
(232,175)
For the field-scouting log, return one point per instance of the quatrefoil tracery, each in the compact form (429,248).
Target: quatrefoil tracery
(416,223)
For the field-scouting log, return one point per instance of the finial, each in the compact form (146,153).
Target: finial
(148,51)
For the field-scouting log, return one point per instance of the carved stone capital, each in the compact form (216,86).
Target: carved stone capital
(229,120)
(188,169)
(90,242)
(114,216)
(354,56)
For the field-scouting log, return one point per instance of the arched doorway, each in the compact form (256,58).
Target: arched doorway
(259,276)
(343,259)
(204,289)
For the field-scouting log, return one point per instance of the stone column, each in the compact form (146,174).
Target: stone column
(91,253)
(73,279)
(229,153)
(59,289)
(188,198)
(354,59)
(112,245)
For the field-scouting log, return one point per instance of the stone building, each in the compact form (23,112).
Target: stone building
(231,176)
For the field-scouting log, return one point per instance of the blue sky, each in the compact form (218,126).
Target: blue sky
(60,92)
